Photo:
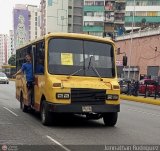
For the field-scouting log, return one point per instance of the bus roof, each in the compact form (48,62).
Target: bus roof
(69,35)
(79,36)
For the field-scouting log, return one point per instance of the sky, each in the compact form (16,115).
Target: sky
(6,16)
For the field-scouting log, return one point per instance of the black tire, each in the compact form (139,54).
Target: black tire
(45,115)
(23,107)
(110,119)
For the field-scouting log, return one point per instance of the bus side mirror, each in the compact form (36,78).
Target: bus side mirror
(125,60)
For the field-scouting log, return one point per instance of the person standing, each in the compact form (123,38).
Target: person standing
(28,72)
(136,88)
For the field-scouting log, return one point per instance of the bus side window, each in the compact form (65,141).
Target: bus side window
(39,58)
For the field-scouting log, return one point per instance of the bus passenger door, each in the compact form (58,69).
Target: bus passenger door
(38,73)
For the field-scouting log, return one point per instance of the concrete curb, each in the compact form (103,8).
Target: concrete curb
(140,99)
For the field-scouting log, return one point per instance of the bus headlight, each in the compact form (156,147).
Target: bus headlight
(62,95)
(112,97)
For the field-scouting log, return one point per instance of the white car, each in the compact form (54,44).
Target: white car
(3,78)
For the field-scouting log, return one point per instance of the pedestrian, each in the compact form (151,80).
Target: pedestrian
(136,88)
(28,71)
(129,88)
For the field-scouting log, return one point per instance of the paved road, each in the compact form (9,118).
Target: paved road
(137,124)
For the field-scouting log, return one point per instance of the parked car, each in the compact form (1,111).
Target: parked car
(3,78)
(124,85)
(148,86)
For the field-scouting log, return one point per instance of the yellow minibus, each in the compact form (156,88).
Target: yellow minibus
(79,77)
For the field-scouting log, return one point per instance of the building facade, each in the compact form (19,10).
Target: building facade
(143,13)
(104,18)
(43,8)
(10,44)
(3,49)
(61,16)
(26,20)
(34,22)
(143,51)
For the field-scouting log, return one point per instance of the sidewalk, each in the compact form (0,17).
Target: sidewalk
(148,100)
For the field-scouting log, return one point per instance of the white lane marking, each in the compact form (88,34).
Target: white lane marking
(10,111)
(143,112)
(53,140)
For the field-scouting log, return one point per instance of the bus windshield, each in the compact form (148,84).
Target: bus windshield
(66,56)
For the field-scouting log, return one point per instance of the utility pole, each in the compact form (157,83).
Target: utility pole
(130,52)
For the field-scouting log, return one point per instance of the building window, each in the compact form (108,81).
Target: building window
(70,7)
(99,3)
(89,3)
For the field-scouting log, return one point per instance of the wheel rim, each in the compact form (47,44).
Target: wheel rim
(43,115)
(22,105)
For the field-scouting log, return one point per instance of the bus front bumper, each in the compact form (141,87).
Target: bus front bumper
(77,108)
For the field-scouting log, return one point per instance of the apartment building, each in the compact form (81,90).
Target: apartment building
(3,49)
(34,22)
(61,16)
(10,44)
(143,13)
(26,20)
(104,17)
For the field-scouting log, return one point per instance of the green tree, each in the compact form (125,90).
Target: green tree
(12,60)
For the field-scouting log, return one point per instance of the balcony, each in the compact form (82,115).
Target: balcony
(94,8)
(120,1)
(151,19)
(93,18)
(93,29)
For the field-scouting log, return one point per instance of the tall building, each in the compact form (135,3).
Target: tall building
(3,49)
(10,44)
(26,23)
(61,16)
(34,22)
(104,17)
(119,20)
(43,17)
(143,13)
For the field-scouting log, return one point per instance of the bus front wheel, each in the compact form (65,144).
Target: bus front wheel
(110,119)
(45,115)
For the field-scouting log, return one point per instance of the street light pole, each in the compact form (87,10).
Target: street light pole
(130,52)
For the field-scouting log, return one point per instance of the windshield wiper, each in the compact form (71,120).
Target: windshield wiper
(74,73)
(90,60)
(93,68)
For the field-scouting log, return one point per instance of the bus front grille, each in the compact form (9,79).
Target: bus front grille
(88,96)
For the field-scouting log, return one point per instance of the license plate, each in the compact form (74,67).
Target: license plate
(86,108)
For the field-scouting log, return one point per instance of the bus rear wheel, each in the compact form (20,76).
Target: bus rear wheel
(45,115)
(110,119)
(23,107)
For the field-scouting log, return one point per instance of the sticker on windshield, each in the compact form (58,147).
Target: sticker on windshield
(66,58)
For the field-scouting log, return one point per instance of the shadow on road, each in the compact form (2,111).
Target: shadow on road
(70,121)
